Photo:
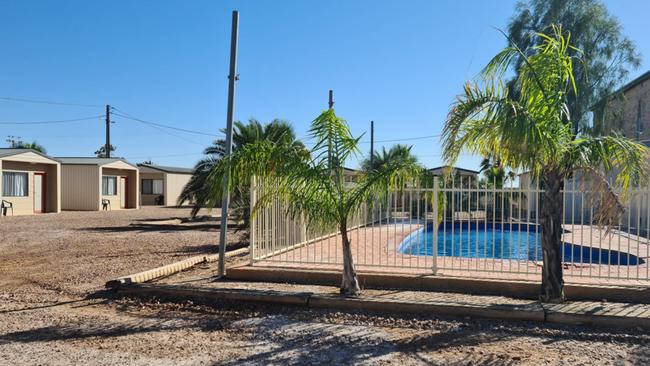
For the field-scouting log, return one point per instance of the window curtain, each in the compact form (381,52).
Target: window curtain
(157,186)
(108,186)
(14,184)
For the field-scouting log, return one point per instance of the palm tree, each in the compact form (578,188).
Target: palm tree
(398,151)
(314,185)
(532,131)
(197,191)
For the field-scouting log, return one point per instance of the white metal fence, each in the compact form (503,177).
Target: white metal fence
(483,232)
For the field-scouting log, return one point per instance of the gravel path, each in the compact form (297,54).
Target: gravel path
(53,310)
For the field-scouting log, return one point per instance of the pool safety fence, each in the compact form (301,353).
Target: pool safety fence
(461,226)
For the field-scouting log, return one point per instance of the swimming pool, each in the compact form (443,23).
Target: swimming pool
(502,241)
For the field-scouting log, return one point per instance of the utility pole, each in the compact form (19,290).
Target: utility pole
(372,142)
(331,99)
(232,77)
(107,147)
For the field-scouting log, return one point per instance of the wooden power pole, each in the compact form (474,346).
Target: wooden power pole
(107,147)
(232,77)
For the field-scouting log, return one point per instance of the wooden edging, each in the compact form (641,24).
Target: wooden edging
(533,312)
(169,269)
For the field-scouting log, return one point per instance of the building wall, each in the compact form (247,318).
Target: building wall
(174,184)
(79,190)
(133,198)
(150,199)
(625,114)
(25,205)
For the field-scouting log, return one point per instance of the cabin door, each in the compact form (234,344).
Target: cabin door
(124,194)
(39,192)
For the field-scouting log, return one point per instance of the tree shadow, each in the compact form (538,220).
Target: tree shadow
(290,335)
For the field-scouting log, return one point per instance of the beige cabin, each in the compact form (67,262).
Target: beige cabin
(92,184)
(162,185)
(30,182)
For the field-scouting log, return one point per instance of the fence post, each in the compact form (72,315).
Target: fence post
(435,225)
(253,229)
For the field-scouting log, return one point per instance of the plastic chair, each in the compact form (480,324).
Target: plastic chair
(5,206)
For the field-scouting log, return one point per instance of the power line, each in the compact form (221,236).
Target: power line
(25,100)
(127,116)
(161,156)
(51,122)
(166,132)
(305,140)
(405,139)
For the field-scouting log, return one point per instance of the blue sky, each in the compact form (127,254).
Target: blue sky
(399,63)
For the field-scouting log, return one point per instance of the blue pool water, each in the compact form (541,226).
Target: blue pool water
(502,241)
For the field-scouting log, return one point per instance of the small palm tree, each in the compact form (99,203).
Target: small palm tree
(314,186)
(197,191)
(398,151)
(532,131)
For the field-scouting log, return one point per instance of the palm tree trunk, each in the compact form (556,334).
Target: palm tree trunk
(349,283)
(551,224)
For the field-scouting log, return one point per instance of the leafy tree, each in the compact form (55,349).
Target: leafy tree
(606,53)
(18,144)
(314,185)
(200,194)
(401,152)
(532,130)
(101,152)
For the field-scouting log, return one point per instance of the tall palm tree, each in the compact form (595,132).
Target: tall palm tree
(199,194)
(532,131)
(398,151)
(314,185)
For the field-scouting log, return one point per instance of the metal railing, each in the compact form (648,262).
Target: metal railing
(480,231)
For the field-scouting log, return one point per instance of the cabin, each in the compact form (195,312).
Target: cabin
(162,185)
(93,184)
(30,182)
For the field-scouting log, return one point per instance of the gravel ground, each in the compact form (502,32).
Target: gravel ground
(53,310)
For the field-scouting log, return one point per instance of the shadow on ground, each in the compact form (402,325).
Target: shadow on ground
(288,335)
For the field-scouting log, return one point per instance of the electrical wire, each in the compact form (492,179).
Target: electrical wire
(51,122)
(25,100)
(127,116)
(162,156)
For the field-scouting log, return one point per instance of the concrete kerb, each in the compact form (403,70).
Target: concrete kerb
(169,269)
(534,312)
(134,285)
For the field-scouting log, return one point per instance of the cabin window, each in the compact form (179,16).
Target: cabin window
(14,184)
(109,186)
(152,186)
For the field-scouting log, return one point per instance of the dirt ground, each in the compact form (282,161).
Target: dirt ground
(54,311)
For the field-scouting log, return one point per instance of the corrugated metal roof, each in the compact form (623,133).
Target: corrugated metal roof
(4,152)
(169,169)
(90,161)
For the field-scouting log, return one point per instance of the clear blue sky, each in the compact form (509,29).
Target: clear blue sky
(400,63)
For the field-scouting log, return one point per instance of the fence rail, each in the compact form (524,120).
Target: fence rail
(482,231)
